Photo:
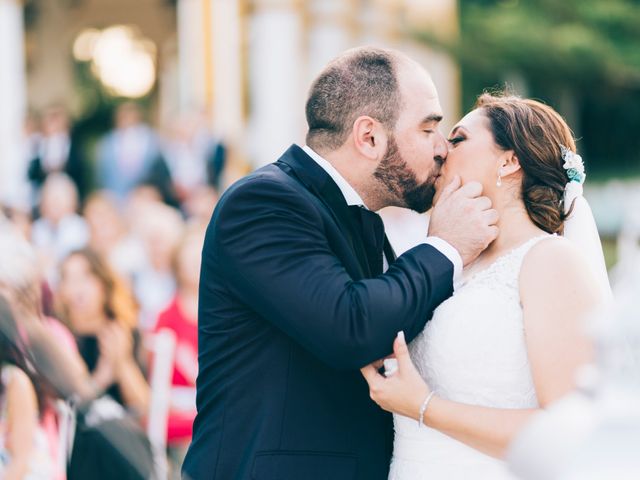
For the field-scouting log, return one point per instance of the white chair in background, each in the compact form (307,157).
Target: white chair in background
(162,346)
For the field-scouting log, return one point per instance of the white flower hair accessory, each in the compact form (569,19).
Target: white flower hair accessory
(574,166)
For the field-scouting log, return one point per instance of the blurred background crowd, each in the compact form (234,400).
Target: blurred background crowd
(122,122)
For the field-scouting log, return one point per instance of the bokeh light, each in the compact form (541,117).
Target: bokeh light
(121,58)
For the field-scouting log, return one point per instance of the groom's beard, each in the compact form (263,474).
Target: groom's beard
(394,173)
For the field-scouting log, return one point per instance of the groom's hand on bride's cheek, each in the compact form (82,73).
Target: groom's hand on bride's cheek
(464,218)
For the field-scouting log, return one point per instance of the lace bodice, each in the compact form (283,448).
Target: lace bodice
(473,351)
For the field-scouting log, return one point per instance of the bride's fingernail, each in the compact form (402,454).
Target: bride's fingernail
(401,335)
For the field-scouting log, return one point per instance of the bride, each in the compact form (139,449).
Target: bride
(511,339)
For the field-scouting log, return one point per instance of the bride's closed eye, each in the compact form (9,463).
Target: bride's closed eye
(456,140)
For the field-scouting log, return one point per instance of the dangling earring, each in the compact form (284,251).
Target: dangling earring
(499,182)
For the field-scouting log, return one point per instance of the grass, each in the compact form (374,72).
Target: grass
(610,248)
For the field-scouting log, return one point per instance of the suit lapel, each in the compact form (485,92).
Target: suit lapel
(297,163)
(388,251)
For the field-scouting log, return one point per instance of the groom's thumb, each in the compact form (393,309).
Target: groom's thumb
(400,350)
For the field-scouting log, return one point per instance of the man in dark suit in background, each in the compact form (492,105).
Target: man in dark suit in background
(293,298)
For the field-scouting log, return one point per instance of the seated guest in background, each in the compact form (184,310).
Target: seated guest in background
(110,236)
(22,285)
(54,355)
(16,216)
(127,154)
(194,156)
(181,317)
(102,314)
(24,449)
(55,151)
(60,229)
(160,228)
(199,205)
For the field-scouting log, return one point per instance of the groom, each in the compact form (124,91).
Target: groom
(293,298)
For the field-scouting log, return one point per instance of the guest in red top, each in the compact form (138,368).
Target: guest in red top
(181,316)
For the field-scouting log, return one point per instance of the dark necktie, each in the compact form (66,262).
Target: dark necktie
(372,230)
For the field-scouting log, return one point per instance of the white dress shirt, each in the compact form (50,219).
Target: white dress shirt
(353,198)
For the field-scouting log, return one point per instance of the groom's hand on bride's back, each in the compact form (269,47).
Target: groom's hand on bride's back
(464,218)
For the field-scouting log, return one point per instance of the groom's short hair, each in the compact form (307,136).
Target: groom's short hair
(362,81)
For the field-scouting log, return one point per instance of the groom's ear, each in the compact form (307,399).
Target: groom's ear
(509,163)
(369,138)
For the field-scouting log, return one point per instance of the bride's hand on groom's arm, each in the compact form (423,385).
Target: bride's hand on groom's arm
(404,391)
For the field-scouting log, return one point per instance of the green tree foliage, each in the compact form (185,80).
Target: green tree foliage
(581,56)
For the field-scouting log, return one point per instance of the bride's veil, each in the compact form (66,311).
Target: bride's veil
(580,227)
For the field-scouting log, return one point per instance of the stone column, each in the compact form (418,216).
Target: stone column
(12,102)
(440,17)
(330,32)
(191,54)
(51,78)
(379,22)
(227,76)
(276,71)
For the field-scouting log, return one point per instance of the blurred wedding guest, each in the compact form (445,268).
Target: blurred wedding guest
(24,448)
(21,286)
(32,136)
(55,151)
(60,229)
(21,282)
(19,217)
(54,355)
(127,155)
(160,227)
(194,156)
(102,314)
(110,236)
(199,205)
(181,317)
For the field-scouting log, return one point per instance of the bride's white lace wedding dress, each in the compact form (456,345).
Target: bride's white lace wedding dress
(473,351)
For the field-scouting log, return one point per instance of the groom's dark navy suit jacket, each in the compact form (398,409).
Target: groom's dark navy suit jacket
(287,317)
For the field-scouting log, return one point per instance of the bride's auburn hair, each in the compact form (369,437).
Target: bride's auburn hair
(534,131)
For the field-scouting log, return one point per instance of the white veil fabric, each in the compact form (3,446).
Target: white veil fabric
(580,227)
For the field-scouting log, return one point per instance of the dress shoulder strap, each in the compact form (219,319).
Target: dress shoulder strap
(506,270)
(523,249)
(518,255)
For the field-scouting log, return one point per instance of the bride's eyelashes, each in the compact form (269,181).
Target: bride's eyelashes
(456,140)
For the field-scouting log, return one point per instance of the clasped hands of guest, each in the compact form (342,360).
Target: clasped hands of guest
(116,348)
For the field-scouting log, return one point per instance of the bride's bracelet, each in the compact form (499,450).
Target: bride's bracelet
(423,408)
